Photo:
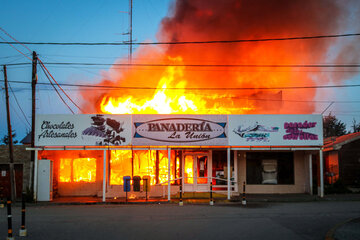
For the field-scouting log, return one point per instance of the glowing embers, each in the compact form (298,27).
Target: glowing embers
(120,165)
(163,101)
(77,170)
(145,164)
(189,169)
(139,163)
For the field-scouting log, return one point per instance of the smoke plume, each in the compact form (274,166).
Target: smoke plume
(207,20)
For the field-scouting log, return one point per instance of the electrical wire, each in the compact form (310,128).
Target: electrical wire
(56,89)
(187,42)
(17,49)
(202,65)
(232,97)
(198,88)
(43,66)
(8,34)
(17,114)
(17,102)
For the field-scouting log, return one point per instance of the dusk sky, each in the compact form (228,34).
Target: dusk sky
(107,21)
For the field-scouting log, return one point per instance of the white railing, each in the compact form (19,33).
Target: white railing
(209,179)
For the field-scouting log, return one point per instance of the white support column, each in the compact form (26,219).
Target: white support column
(104,178)
(236,178)
(310,174)
(321,174)
(35,174)
(169,161)
(228,173)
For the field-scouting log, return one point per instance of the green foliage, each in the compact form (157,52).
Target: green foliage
(5,139)
(355,126)
(333,127)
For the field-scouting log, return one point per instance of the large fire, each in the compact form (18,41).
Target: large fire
(171,97)
(213,20)
(77,170)
(139,163)
(168,82)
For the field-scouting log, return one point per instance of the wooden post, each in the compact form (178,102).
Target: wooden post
(9,217)
(11,148)
(33,100)
(23,231)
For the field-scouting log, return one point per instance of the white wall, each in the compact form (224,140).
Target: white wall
(301,175)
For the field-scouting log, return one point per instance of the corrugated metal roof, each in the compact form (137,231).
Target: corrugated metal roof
(336,142)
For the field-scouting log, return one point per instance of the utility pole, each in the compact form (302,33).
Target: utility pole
(11,147)
(33,99)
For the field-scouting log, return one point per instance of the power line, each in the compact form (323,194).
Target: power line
(44,68)
(198,88)
(229,97)
(11,44)
(187,42)
(56,89)
(17,102)
(8,34)
(201,65)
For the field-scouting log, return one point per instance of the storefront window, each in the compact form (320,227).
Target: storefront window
(189,169)
(153,163)
(120,165)
(144,164)
(219,167)
(77,170)
(270,168)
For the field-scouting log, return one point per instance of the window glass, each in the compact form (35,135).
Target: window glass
(77,170)
(153,163)
(270,168)
(189,169)
(120,165)
(84,170)
(219,167)
(65,170)
(144,164)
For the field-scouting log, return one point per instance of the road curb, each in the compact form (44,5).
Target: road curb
(330,234)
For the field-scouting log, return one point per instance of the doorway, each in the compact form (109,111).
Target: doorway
(196,171)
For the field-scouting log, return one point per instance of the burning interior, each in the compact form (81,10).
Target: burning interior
(216,79)
(80,173)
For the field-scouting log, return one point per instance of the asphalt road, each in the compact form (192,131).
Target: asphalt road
(308,220)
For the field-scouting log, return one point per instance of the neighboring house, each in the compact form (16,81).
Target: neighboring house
(342,159)
(22,168)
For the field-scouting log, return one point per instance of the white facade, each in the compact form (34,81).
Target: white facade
(270,153)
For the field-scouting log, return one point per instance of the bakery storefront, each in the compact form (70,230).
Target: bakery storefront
(91,155)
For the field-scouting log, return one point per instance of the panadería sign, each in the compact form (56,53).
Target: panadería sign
(178,130)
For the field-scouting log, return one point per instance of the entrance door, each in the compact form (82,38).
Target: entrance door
(196,172)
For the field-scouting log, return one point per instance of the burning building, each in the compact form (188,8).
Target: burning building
(195,112)
(91,155)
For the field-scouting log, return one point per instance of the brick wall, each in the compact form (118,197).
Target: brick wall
(21,156)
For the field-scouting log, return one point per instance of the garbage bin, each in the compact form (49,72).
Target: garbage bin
(136,183)
(146,183)
(127,183)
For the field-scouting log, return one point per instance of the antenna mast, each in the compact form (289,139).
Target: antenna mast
(130,30)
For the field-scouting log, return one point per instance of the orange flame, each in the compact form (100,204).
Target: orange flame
(77,170)
(167,100)
(139,163)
